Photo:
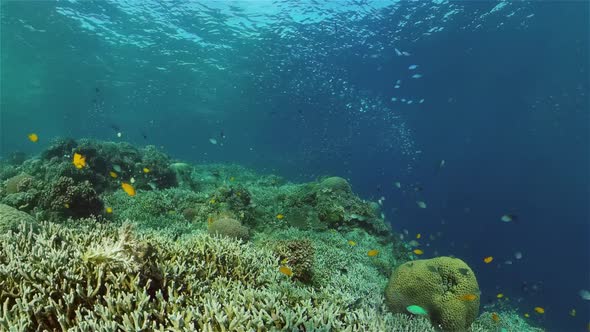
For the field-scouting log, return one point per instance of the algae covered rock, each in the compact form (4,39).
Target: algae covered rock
(230,228)
(440,286)
(11,218)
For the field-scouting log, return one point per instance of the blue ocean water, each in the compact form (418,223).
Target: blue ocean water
(378,92)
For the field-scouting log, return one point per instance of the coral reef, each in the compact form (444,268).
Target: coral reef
(437,285)
(11,219)
(205,250)
(71,198)
(230,228)
(298,255)
(212,284)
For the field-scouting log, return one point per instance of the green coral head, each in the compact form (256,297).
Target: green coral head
(417,310)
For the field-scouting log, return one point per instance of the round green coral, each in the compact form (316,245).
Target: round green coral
(437,285)
(11,218)
(229,227)
(336,184)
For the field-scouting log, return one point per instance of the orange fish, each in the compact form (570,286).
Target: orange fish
(286,271)
(418,251)
(468,297)
(128,188)
(539,310)
(495,317)
(79,161)
(113,174)
(488,259)
(373,253)
(33,137)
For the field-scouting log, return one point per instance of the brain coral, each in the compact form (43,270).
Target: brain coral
(11,218)
(436,285)
(229,227)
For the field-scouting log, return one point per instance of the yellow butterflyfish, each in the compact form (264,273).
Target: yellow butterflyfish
(468,297)
(286,270)
(128,188)
(373,253)
(79,160)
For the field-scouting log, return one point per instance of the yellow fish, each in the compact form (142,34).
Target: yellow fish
(468,297)
(418,235)
(488,259)
(232,179)
(109,209)
(79,160)
(113,174)
(526,315)
(500,295)
(212,201)
(540,310)
(146,170)
(280,216)
(128,188)
(33,137)
(418,251)
(67,206)
(573,312)
(495,317)
(352,243)
(285,261)
(286,271)
(373,253)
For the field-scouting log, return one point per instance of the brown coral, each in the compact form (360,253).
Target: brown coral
(298,255)
(71,198)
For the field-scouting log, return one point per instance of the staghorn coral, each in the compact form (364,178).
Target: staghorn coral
(436,284)
(207,284)
(229,227)
(510,320)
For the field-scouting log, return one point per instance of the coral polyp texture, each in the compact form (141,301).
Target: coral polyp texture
(209,248)
(445,287)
